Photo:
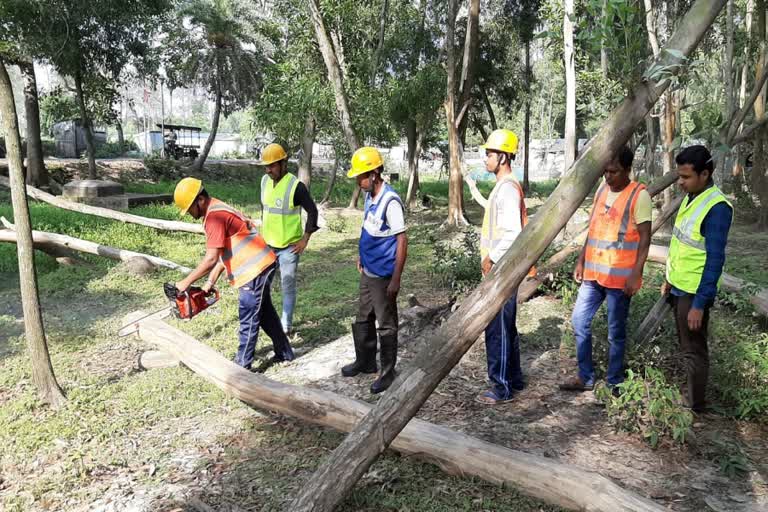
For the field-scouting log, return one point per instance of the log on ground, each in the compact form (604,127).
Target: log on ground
(164,225)
(80,245)
(560,484)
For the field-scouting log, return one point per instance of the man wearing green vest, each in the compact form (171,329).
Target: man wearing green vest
(282,198)
(695,263)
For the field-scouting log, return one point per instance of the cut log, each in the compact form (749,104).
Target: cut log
(164,225)
(156,359)
(351,459)
(547,270)
(78,244)
(758,297)
(560,484)
(652,321)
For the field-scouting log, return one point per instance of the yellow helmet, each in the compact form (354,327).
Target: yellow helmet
(186,192)
(501,140)
(365,160)
(272,153)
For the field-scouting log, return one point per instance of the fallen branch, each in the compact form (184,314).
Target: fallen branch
(78,244)
(652,321)
(164,225)
(563,485)
(531,284)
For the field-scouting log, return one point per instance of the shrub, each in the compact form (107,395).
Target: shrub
(740,375)
(161,167)
(649,406)
(457,265)
(337,224)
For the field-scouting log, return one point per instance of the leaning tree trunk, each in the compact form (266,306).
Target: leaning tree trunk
(197,165)
(337,82)
(570,88)
(85,122)
(37,174)
(332,177)
(34,332)
(351,459)
(307,142)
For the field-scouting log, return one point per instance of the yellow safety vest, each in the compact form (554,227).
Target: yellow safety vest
(280,217)
(687,252)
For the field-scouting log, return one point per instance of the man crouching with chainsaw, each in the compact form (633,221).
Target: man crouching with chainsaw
(234,245)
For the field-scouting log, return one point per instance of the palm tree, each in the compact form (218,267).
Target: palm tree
(227,54)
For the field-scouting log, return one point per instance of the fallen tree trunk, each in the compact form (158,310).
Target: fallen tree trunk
(652,321)
(351,459)
(78,244)
(164,225)
(547,270)
(563,485)
(757,296)
(155,359)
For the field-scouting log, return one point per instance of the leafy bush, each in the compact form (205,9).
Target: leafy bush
(457,265)
(649,406)
(563,285)
(337,224)
(113,149)
(740,375)
(161,167)
(729,457)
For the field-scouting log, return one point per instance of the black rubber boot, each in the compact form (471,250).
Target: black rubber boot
(388,362)
(364,336)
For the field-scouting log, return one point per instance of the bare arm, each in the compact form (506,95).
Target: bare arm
(633,283)
(209,261)
(476,194)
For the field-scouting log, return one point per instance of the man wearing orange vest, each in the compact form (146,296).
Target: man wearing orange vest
(234,245)
(504,219)
(610,268)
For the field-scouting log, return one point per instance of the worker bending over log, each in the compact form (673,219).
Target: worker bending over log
(695,263)
(504,219)
(383,251)
(282,198)
(610,268)
(233,244)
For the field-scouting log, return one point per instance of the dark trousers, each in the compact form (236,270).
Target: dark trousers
(695,352)
(257,312)
(375,306)
(502,347)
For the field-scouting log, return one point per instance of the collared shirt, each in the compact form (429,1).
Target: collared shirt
(714,228)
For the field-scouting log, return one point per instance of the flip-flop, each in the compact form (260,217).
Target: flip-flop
(490,398)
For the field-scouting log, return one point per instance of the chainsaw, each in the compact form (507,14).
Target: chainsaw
(183,305)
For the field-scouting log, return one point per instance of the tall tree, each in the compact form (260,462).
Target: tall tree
(42,370)
(457,102)
(37,174)
(226,52)
(570,87)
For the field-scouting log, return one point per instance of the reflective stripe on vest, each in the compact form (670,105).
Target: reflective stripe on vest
(246,254)
(687,249)
(613,241)
(280,217)
(491,235)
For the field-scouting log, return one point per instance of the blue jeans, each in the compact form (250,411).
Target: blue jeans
(502,346)
(287,263)
(591,296)
(257,312)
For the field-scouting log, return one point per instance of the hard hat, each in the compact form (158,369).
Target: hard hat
(365,160)
(272,153)
(501,140)
(186,192)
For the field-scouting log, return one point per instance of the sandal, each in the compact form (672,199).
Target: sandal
(490,398)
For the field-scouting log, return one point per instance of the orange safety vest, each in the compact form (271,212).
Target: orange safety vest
(613,240)
(246,254)
(489,237)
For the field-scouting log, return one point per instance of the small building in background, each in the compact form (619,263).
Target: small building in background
(69,138)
